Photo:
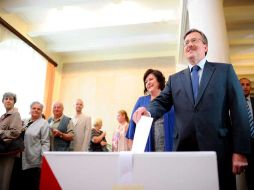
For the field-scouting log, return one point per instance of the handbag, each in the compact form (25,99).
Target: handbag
(12,146)
(16,145)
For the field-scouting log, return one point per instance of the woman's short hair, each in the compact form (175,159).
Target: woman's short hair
(36,102)
(10,94)
(97,122)
(158,75)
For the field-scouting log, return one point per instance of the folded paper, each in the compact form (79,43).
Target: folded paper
(142,131)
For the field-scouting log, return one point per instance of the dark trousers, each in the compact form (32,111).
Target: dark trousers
(6,166)
(227,180)
(249,173)
(24,179)
(32,178)
(16,177)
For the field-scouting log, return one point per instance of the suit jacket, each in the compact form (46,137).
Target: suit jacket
(250,169)
(219,116)
(252,104)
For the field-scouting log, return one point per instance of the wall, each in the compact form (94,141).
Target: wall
(108,86)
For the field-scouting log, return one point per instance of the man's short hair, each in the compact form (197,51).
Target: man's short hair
(245,79)
(204,38)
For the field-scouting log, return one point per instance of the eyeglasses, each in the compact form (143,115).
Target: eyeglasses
(193,41)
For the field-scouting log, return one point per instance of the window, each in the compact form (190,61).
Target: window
(22,71)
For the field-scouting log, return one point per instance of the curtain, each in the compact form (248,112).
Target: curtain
(49,86)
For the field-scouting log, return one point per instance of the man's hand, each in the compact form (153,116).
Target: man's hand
(56,133)
(139,112)
(239,163)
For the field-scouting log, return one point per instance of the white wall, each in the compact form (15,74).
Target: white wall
(108,86)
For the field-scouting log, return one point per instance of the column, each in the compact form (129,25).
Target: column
(208,16)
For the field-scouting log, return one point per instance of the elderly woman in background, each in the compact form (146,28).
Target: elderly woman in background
(98,141)
(119,141)
(10,129)
(36,141)
(161,134)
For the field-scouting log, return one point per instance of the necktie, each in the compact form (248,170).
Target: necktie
(250,120)
(195,80)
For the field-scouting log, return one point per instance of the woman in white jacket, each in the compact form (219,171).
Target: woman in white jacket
(36,140)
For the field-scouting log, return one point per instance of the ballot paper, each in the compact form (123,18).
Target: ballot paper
(142,131)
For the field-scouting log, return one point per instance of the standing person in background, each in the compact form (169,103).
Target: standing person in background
(82,128)
(10,129)
(36,141)
(98,141)
(62,132)
(161,134)
(249,173)
(119,141)
(210,110)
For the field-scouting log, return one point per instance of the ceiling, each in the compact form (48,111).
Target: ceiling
(240,26)
(81,30)
(240,23)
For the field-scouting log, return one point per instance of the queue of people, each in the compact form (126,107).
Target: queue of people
(20,165)
(202,108)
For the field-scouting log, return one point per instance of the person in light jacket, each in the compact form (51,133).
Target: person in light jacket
(10,129)
(36,140)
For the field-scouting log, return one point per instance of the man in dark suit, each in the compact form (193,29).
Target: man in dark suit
(249,173)
(210,111)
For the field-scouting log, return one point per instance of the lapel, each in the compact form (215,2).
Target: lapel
(209,69)
(186,81)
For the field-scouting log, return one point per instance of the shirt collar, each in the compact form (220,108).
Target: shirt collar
(201,64)
(58,119)
(247,98)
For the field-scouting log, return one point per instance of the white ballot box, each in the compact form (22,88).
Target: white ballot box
(126,170)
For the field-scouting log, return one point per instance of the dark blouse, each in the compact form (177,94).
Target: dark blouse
(97,147)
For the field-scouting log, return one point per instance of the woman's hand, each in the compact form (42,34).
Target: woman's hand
(103,143)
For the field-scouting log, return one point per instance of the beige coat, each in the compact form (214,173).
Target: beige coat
(82,131)
(10,125)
